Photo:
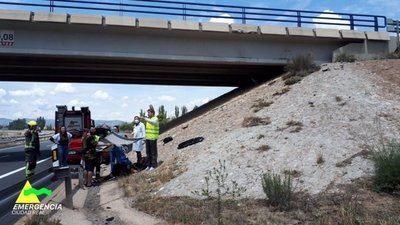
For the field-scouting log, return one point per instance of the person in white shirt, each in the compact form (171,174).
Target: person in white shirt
(139,132)
(62,140)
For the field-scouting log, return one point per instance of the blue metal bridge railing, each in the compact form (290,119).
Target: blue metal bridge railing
(186,10)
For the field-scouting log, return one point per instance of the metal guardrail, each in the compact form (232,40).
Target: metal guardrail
(187,10)
(7,140)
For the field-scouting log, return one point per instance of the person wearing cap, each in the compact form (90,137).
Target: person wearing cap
(139,132)
(152,133)
(32,148)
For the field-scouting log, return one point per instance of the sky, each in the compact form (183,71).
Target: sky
(106,101)
(112,101)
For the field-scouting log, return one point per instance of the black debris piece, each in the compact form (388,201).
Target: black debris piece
(167,139)
(190,142)
(110,219)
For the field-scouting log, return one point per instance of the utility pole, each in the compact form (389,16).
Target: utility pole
(394,26)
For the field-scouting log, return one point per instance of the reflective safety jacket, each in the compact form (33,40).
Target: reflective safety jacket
(152,128)
(32,140)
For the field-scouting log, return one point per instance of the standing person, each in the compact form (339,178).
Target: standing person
(32,148)
(152,133)
(139,132)
(115,154)
(62,140)
(89,155)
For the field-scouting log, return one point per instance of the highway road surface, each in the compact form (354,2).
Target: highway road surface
(12,176)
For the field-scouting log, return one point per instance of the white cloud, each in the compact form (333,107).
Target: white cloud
(101,95)
(64,88)
(13,101)
(125,98)
(18,115)
(31,92)
(39,101)
(345,23)
(2,92)
(124,105)
(198,102)
(76,102)
(166,98)
(223,20)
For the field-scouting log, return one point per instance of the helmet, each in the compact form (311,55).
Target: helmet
(32,123)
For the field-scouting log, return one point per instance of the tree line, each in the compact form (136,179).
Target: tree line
(20,124)
(162,116)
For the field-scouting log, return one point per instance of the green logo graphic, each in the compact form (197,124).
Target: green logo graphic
(41,191)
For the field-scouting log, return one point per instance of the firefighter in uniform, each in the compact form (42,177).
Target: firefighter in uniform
(32,148)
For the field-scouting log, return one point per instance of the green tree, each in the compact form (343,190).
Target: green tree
(142,113)
(195,107)
(184,110)
(49,127)
(41,122)
(162,116)
(18,124)
(126,126)
(176,111)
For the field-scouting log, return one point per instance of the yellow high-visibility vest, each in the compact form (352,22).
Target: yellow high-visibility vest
(152,131)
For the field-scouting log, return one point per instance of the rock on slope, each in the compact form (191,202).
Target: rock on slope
(338,110)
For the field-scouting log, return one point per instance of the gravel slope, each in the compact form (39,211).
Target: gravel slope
(342,108)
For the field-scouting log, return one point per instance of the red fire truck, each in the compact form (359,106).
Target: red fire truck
(75,121)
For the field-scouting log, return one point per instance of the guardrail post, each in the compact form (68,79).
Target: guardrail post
(243,15)
(51,6)
(184,11)
(398,37)
(351,22)
(376,23)
(68,192)
(121,13)
(64,172)
(298,19)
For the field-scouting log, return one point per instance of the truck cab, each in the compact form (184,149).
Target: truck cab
(76,122)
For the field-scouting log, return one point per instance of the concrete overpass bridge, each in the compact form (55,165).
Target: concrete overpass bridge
(62,47)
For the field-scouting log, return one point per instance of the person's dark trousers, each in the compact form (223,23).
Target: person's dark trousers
(151,151)
(30,162)
(139,157)
(97,162)
(115,157)
(63,154)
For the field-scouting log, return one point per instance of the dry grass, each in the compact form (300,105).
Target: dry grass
(260,104)
(41,220)
(293,173)
(281,92)
(143,183)
(296,126)
(263,148)
(357,204)
(320,159)
(255,121)
(362,153)
(293,80)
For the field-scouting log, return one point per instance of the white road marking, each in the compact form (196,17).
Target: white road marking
(4,156)
(22,168)
(11,147)
(20,146)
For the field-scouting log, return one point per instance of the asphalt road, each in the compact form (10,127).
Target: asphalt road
(13,158)
(12,176)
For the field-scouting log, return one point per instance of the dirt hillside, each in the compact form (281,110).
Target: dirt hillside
(320,128)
